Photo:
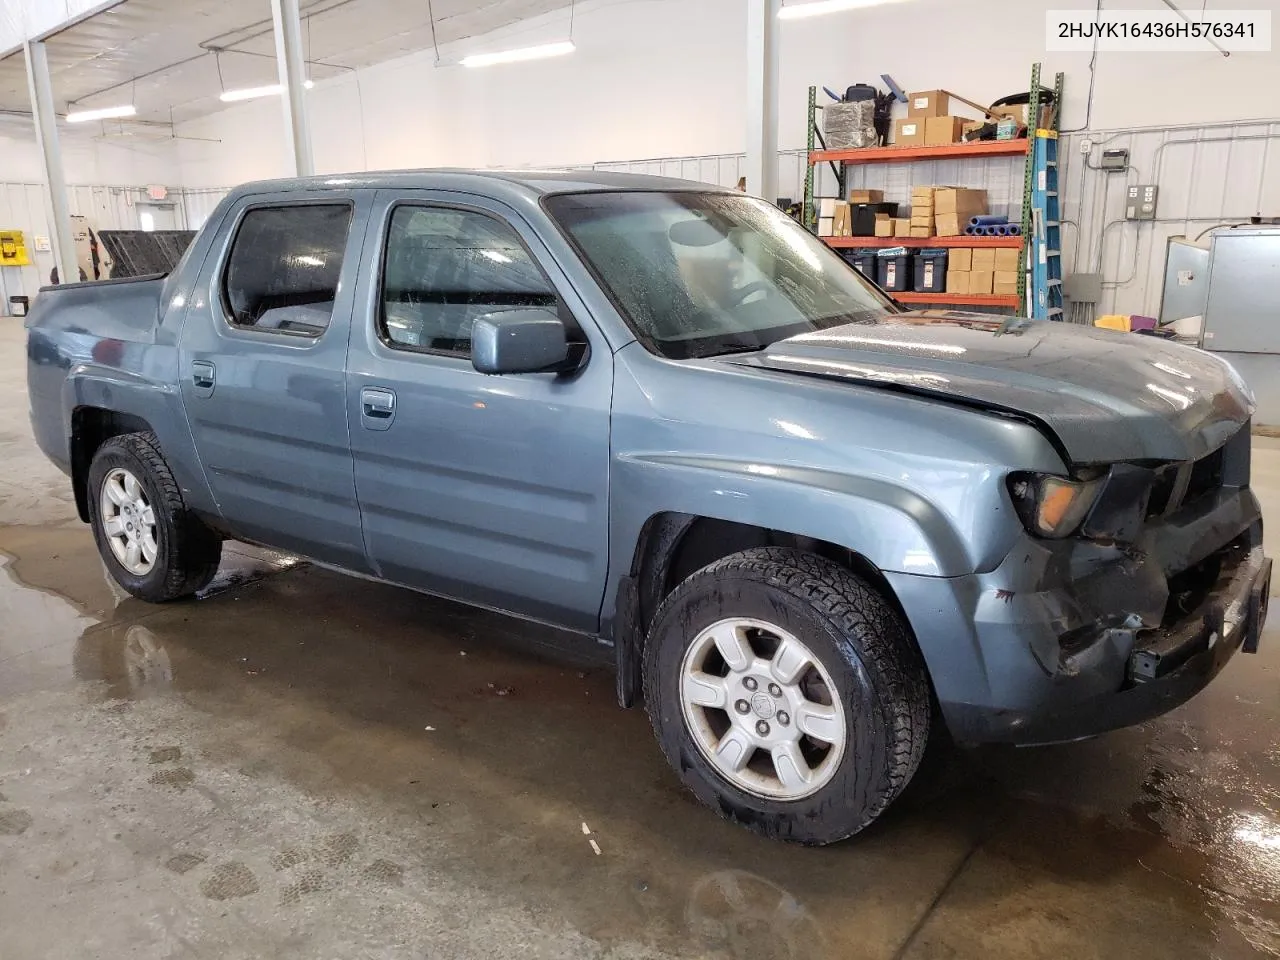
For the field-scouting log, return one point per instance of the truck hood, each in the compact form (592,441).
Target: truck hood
(1100,396)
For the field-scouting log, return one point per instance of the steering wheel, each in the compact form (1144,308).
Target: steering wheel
(740,296)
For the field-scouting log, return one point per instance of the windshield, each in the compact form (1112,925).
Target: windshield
(700,274)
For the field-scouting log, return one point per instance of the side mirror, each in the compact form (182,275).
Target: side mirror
(523,340)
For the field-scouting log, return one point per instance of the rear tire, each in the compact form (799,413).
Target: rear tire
(836,692)
(152,545)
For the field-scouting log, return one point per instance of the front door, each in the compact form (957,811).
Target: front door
(489,489)
(262,366)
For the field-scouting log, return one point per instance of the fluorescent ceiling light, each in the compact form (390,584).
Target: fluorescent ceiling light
(816,8)
(253,93)
(106,113)
(523,53)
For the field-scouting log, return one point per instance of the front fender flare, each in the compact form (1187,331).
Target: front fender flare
(894,528)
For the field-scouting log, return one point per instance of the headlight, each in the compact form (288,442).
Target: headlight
(1053,507)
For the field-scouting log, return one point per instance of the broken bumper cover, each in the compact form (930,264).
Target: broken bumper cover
(1168,667)
(1055,644)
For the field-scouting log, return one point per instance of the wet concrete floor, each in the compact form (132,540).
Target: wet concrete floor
(306,765)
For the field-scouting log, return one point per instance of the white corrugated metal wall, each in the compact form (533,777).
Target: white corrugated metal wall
(1207,176)
(198,204)
(23,207)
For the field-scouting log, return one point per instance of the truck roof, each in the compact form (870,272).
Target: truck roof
(536,182)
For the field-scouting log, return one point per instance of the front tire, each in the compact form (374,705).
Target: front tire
(787,694)
(151,544)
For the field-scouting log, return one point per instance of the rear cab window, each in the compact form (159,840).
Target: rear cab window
(282,272)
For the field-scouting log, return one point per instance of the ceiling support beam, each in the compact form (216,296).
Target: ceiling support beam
(763,55)
(40,88)
(292,67)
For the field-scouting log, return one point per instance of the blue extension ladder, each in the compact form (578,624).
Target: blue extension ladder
(1046,234)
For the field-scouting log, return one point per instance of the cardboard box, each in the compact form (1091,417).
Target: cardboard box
(950,225)
(957,281)
(825,226)
(922,194)
(984,258)
(961,259)
(884,225)
(1008,261)
(928,103)
(864,217)
(961,201)
(921,233)
(1018,113)
(909,132)
(827,206)
(842,223)
(921,219)
(866,196)
(902,227)
(1005,284)
(940,131)
(981,282)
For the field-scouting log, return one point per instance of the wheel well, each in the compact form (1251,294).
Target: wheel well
(91,427)
(673,546)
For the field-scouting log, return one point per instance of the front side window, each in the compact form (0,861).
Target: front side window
(700,274)
(446,267)
(283,270)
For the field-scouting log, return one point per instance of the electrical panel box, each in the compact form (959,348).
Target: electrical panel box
(1140,203)
(1115,161)
(13,249)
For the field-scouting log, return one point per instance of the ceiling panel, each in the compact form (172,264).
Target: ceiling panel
(158,54)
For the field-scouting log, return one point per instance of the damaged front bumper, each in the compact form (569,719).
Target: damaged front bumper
(1070,639)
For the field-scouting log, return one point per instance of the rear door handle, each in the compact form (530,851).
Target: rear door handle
(377,407)
(203,377)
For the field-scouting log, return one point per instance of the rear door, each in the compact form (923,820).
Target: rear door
(489,489)
(262,365)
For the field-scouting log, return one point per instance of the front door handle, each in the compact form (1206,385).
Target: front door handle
(203,377)
(377,407)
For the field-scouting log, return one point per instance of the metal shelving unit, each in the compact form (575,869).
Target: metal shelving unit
(999,243)
(958,299)
(841,160)
(951,151)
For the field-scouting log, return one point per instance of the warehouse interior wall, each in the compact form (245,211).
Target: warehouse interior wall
(92,156)
(655,78)
(107,172)
(614,104)
(665,79)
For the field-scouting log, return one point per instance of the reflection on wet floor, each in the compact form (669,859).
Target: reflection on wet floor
(307,746)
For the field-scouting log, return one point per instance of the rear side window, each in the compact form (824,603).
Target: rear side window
(282,273)
(446,267)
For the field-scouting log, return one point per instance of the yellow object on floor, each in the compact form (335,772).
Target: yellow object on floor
(1113,322)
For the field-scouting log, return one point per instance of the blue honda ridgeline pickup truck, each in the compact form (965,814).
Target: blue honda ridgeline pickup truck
(811,524)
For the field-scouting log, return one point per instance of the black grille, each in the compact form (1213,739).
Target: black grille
(1206,477)
(1205,480)
(1162,491)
